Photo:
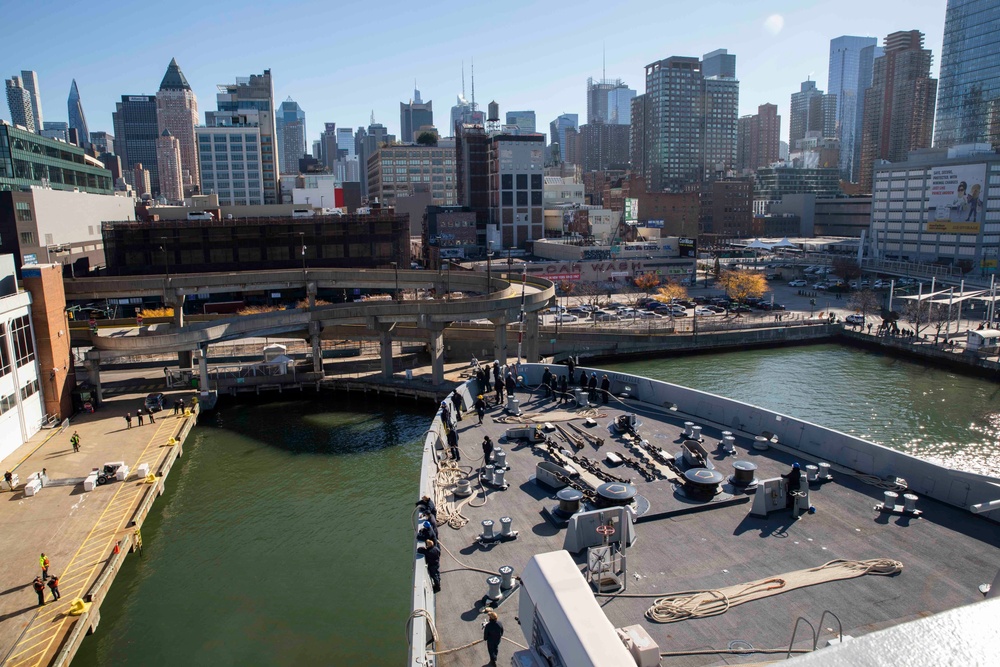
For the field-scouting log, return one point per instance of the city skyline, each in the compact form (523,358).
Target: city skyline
(777,47)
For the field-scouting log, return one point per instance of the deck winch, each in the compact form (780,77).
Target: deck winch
(615,494)
(744,475)
(702,483)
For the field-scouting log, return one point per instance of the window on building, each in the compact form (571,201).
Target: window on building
(522,181)
(536,181)
(506,198)
(4,355)
(522,198)
(24,346)
(29,390)
(507,181)
(27,238)
(23,209)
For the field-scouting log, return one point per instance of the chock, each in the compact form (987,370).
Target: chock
(150,478)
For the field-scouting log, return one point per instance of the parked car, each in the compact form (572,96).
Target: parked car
(702,310)
(604,316)
(154,402)
(565,317)
(579,312)
(820,286)
(797,283)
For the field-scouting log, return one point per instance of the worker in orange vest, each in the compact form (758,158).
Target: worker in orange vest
(39,587)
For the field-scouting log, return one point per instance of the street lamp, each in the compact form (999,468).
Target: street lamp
(395,268)
(302,240)
(166,257)
(489,270)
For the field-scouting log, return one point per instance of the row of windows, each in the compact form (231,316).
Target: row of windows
(29,390)
(4,355)
(7,403)
(24,346)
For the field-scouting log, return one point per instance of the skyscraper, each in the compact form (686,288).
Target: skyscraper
(168,163)
(177,111)
(413,116)
(609,101)
(968,101)
(721,113)
(55,130)
(899,105)
(136,132)
(291,132)
(328,145)
(684,128)
(851,63)
(103,142)
(19,103)
(30,81)
(759,139)
(250,102)
(525,121)
(557,131)
(811,111)
(77,121)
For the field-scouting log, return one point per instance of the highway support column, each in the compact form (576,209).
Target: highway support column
(203,367)
(93,364)
(531,338)
(437,352)
(317,353)
(500,338)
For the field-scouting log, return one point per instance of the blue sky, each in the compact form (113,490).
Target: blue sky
(342,60)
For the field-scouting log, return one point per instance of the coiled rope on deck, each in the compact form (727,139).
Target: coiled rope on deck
(700,604)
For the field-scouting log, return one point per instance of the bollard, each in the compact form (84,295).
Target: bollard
(687,429)
(890,498)
(909,502)
(499,458)
(505,526)
(506,577)
(487,530)
(493,582)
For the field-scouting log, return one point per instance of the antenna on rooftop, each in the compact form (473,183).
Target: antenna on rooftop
(463,79)
(604,60)
(373,117)
(473,84)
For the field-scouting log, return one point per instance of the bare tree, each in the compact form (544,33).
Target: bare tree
(847,268)
(865,301)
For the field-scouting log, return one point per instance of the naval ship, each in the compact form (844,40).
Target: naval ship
(654,524)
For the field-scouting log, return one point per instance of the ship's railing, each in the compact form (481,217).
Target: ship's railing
(953,487)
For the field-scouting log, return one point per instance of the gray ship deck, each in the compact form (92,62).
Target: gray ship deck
(946,553)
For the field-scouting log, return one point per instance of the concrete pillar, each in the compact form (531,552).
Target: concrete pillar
(317,353)
(203,368)
(183,358)
(437,353)
(311,294)
(385,350)
(93,364)
(500,339)
(531,338)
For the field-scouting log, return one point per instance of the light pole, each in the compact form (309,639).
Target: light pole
(489,270)
(395,268)
(302,240)
(166,257)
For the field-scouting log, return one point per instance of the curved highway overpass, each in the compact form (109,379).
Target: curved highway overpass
(499,300)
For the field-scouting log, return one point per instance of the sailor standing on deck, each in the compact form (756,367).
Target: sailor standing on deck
(487,451)
(453,445)
(794,483)
(432,556)
(480,406)
(546,378)
(493,633)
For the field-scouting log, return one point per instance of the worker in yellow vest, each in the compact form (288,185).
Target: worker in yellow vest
(43,560)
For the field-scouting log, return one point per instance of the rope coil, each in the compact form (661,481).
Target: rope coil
(702,604)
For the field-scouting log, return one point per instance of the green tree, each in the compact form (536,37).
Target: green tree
(427,139)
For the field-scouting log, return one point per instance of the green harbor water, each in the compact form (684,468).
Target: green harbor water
(284,534)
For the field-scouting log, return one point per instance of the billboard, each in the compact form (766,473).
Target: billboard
(955,200)
(631,210)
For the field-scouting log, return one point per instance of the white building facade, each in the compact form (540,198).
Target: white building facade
(21,404)
(231,167)
(942,206)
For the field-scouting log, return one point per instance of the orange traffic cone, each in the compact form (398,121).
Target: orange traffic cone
(117,549)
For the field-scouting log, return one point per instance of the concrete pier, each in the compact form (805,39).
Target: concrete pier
(78,530)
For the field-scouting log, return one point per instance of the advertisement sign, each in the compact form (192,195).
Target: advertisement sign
(955,201)
(654,224)
(631,210)
(687,247)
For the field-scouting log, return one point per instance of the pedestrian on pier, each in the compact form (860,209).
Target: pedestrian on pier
(180,402)
(480,408)
(54,587)
(75,441)
(128,420)
(9,478)
(432,556)
(138,413)
(176,406)
(43,560)
(493,633)
(456,402)
(151,420)
(39,587)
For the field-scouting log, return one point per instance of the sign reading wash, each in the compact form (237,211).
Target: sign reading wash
(955,200)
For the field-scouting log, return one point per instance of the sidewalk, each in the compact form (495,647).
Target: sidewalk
(77,530)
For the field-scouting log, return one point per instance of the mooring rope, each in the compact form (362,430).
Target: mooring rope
(699,604)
